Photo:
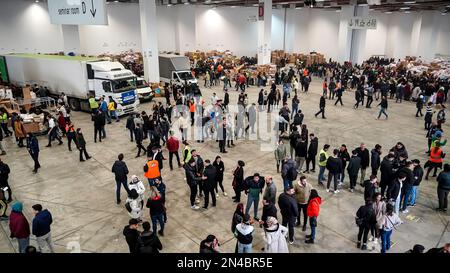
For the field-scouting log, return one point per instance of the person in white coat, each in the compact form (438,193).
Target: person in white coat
(275,237)
(134,205)
(137,184)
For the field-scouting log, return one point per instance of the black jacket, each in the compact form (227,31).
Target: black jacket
(369,190)
(220,168)
(148,242)
(375,159)
(226,99)
(156,206)
(345,157)
(354,165)
(238,179)
(393,190)
(120,170)
(4,174)
(99,120)
(210,173)
(418,174)
(191,178)
(313,147)
(387,172)
(269,210)
(322,102)
(293,138)
(409,177)
(131,236)
(367,214)
(301,149)
(334,165)
(288,205)
(365,158)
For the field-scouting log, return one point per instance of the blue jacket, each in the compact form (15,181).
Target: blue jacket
(41,223)
(444,181)
(104,107)
(33,145)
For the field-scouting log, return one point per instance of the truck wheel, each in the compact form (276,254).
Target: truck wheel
(74,104)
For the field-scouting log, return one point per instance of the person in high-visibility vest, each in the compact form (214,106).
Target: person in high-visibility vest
(435,160)
(151,171)
(93,104)
(323,158)
(192,111)
(112,107)
(187,155)
(4,123)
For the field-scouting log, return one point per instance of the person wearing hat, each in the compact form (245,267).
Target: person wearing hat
(275,237)
(238,181)
(209,245)
(131,234)
(19,226)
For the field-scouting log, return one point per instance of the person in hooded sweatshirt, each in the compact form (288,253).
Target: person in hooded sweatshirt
(41,227)
(131,234)
(244,235)
(353,167)
(147,241)
(138,185)
(19,226)
(134,205)
(312,211)
(275,237)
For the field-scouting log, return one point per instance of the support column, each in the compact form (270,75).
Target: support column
(71,38)
(359,38)
(185,36)
(426,47)
(149,37)
(345,34)
(265,34)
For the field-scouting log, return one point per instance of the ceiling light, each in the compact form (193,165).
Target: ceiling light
(37,1)
(405,8)
(407,12)
(443,13)
(363,5)
(298,8)
(187,3)
(338,10)
(388,12)
(409,2)
(116,1)
(169,5)
(256,5)
(233,7)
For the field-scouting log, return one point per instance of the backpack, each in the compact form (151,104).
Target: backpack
(292,174)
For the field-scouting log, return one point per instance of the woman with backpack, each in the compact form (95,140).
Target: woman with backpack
(390,222)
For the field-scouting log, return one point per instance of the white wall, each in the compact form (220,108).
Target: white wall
(25,27)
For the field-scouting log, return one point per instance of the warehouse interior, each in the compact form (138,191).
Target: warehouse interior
(275,35)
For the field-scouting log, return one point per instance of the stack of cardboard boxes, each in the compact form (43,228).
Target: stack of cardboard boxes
(292,58)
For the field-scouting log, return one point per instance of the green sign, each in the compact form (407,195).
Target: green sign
(3,70)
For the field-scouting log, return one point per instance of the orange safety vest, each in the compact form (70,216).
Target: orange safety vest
(436,155)
(192,107)
(305,72)
(153,169)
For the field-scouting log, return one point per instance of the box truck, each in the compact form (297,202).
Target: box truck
(175,69)
(78,77)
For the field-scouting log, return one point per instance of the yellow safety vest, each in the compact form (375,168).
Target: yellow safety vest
(93,103)
(323,163)
(4,118)
(189,155)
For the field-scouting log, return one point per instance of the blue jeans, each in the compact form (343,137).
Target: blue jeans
(397,205)
(405,198)
(23,244)
(255,201)
(125,186)
(158,218)
(313,227)
(382,111)
(114,115)
(244,248)
(294,111)
(413,196)
(321,174)
(385,240)
(287,183)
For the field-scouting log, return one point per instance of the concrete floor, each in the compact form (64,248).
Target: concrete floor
(81,195)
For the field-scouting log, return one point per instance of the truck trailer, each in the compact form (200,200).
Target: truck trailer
(78,77)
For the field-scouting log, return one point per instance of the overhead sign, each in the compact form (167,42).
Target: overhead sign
(362,23)
(78,12)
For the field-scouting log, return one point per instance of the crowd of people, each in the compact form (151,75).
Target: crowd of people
(390,186)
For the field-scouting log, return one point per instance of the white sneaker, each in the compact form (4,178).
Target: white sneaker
(217,195)
(197,201)
(405,211)
(195,207)
(371,239)
(225,194)
(351,190)
(328,190)
(336,191)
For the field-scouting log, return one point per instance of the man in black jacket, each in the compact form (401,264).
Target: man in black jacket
(363,153)
(209,184)
(334,167)
(131,234)
(301,151)
(99,125)
(407,185)
(370,187)
(321,107)
(147,241)
(192,180)
(4,176)
(269,209)
(394,190)
(345,157)
(387,172)
(293,139)
(375,159)
(312,153)
(367,219)
(418,175)
(120,171)
(289,211)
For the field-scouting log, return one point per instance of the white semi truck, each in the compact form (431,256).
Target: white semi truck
(175,69)
(77,77)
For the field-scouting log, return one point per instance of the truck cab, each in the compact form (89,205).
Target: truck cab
(144,90)
(111,79)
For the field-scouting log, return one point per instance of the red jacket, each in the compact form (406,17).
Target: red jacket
(61,121)
(314,207)
(19,226)
(173,144)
